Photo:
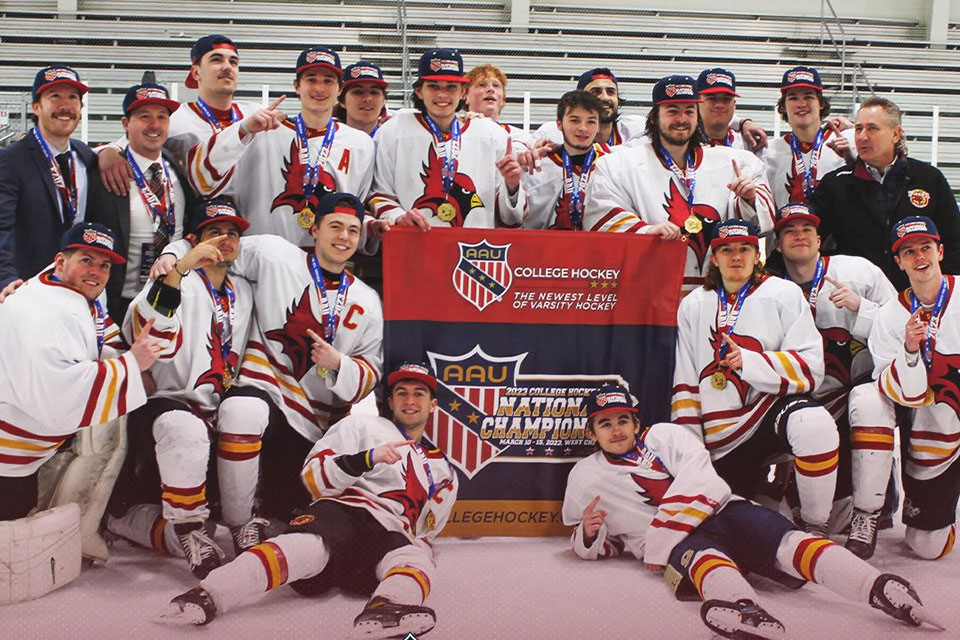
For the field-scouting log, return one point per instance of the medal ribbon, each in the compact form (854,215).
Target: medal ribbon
(449,150)
(311,170)
(212,119)
(226,319)
(68,194)
(163,213)
(689,183)
(576,186)
(808,173)
(933,327)
(330,327)
(815,285)
(727,320)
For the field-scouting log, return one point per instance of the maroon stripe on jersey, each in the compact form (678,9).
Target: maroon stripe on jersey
(94,394)
(636,227)
(610,215)
(922,462)
(686,387)
(10,459)
(759,412)
(122,396)
(690,499)
(803,367)
(784,383)
(673,525)
(933,435)
(22,433)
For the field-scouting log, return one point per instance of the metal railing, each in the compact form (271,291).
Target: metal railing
(840,47)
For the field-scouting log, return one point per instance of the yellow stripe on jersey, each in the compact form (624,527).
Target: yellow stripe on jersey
(857,436)
(205,187)
(111,390)
(274,563)
(287,385)
(791,372)
(809,467)
(809,551)
(412,572)
(700,569)
(229,446)
(689,511)
(184,499)
(311,483)
(934,451)
(622,222)
(709,431)
(687,403)
(27,446)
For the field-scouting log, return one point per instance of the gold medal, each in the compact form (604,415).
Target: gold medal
(446,212)
(227,377)
(306,217)
(431,521)
(322,372)
(693,224)
(718,381)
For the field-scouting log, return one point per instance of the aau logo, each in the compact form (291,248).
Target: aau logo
(482,275)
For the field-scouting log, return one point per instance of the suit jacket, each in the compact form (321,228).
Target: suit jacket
(30,221)
(114,211)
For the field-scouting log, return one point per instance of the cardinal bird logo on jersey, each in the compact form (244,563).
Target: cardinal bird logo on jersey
(412,497)
(839,350)
(463,193)
(794,185)
(293,172)
(652,490)
(293,335)
(944,380)
(562,220)
(214,375)
(675,205)
(733,377)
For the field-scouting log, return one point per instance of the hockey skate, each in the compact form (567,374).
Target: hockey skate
(203,554)
(249,534)
(384,619)
(742,620)
(895,597)
(862,541)
(193,607)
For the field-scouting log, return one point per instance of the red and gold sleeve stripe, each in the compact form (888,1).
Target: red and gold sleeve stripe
(186,498)
(232,446)
(705,564)
(274,563)
(876,438)
(818,465)
(414,573)
(807,554)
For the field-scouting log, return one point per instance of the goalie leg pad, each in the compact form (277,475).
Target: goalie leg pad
(39,553)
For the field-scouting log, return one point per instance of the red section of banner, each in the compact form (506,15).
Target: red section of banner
(532,277)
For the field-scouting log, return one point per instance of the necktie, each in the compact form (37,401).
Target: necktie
(63,162)
(155,182)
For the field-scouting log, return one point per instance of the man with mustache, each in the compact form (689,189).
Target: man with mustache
(44,177)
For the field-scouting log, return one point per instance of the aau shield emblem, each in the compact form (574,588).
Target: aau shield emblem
(482,275)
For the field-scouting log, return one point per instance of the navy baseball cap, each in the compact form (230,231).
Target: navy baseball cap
(56,74)
(202,47)
(717,80)
(441,64)
(217,210)
(595,74)
(608,398)
(734,230)
(148,93)
(339,203)
(420,372)
(799,77)
(363,71)
(793,211)
(92,236)
(913,227)
(675,89)
(319,57)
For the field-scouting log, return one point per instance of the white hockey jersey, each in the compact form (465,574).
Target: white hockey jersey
(786,178)
(626,128)
(847,360)
(782,354)
(652,502)
(402,496)
(408,172)
(53,381)
(547,192)
(263,173)
(934,395)
(191,367)
(733,140)
(631,188)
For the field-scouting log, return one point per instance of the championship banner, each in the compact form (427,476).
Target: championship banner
(520,326)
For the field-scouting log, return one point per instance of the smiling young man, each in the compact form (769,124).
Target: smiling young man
(363,97)
(670,184)
(381,493)
(556,193)
(653,493)
(718,95)
(914,342)
(435,169)
(278,168)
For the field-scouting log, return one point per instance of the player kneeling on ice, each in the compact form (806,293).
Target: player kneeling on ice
(382,492)
(657,495)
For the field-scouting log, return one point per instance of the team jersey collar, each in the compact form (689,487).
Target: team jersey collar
(464,124)
(697,158)
(311,132)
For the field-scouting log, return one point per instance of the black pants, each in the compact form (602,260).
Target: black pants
(18,496)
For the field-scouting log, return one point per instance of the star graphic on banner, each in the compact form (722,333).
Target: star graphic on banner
(482,278)
(604,285)
(529,451)
(548,451)
(567,451)
(473,417)
(593,285)
(455,405)
(613,285)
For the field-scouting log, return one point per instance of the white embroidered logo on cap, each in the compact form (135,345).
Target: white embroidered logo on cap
(801,76)
(59,74)
(734,230)
(679,90)
(150,93)
(366,72)
(444,65)
(215,210)
(719,78)
(320,56)
(915,226)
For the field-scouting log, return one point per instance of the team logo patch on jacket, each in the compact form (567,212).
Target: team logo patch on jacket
(919,198)
(482,274)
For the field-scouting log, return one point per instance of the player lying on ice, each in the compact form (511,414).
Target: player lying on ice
(657,496)
(382,493)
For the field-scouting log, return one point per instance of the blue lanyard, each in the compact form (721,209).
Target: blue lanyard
(330,327)
(729,322)
(933,326)
(224,320)
(690,182)
(374,132)
(69,194)
(815,284)
(311,171)
(807,172)
(451,150)
(574,186)
(423,459)
(212,119)
(163,213)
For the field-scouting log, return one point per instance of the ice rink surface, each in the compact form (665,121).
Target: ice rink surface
(490,588)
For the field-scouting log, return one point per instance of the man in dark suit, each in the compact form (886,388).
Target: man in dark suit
(158,200)
(44,177)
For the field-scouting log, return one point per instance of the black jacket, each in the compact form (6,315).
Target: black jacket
(857,213)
